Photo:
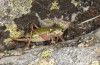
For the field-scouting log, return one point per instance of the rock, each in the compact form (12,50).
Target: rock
(23,13)
(45,53)
(2,47)
(38,61)
(73,56)
(90,39)
(97,33)
(1,55)
(10,45)
(63,56)
(15,52)
(14,59)
(10,10)
(6,55)
(18,12)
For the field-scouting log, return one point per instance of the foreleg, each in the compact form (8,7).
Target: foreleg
(52,41)
(57,38)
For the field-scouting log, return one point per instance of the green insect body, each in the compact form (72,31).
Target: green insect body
(46,29)
(43,34)
(36,34)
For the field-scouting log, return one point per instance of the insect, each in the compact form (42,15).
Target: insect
(43,34)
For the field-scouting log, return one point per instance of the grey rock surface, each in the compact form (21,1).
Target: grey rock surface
(63,56)
(75,56)
(10,9)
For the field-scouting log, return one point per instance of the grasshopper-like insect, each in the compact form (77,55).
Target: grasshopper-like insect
(43,34)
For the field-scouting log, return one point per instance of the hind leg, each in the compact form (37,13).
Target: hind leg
(32,29)
(30,38)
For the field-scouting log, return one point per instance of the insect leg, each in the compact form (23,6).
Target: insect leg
(29,40)
(62,39)
(57,38)
(52,41)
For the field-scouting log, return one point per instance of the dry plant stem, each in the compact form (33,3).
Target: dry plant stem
(89,20)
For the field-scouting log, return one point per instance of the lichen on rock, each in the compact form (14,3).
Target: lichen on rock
(54,5)
(11,9)
(12,28)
